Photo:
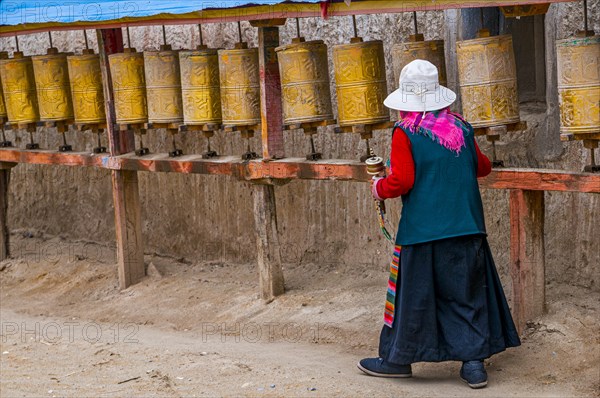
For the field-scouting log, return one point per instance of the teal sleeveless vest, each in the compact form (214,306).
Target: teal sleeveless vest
(445,201)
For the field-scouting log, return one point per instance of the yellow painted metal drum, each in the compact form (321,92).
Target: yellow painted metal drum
(52,85)
(525,10)
(430,50)
(488,81)
(200,86)
(18,85)
(578,62)
(129,86)
(86,88)
(163,86)
(3,114)
(360,83)
(240,86)
(305,90)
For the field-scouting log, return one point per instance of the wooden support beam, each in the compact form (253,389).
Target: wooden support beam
(265,215)
(267,242)
(128,228)
(231,12)
(4,231)
(270,93)
(293,168)
(527,263)
(128,218)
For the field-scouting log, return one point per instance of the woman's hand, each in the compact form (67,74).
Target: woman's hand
(374,182)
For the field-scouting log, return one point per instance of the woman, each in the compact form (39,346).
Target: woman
(444,301)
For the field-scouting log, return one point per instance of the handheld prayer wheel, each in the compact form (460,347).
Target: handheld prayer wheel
(52,86)
(18,85)
(163,86)
(578,64)
(3,114)
(129,86)
(488,81)
(360,82)
(200,86)
(305,90)
(240,86)
(418,48)
(86,88)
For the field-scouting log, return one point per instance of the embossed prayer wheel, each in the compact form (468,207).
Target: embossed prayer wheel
(163,86)
(18,85)
(305,90)
(525,10)
(129,86)
(578,63)
(3,114)
(360,82)
(240,86)
(200,86)
(430,50)
(488,81)
(86,88)
(52,86)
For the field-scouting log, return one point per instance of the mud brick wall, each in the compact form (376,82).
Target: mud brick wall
(210,218)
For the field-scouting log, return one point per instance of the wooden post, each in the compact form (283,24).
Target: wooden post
(126,198)
(267,242)
(270,89)
(4,231)
(265,214)
(527,267)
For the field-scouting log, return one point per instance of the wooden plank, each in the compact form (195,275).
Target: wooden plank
(253,12)
(4,231)
(542,180)
(185,164)
(128,224)
(267,242)
(270,94)
(294,168)
(52,157)
(300,168)
(527,266)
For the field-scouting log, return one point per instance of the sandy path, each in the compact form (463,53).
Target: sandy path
(38,360)
(197,329)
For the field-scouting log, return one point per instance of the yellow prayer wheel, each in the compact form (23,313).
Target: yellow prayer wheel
(86,88)
(430,50)
(525,10)
(488,81)
(360,82)
(18,85)
(52,86)
(305,91)
(200,86)
(240,86)
(129,86)
(3,114)
(163,86)
(578,62)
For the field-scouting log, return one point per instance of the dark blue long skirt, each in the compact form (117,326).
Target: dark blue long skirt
(450,305)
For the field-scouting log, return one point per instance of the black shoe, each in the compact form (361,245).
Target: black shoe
(473,373)
(379,368)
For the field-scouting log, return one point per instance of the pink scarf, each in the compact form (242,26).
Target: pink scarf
(443,127)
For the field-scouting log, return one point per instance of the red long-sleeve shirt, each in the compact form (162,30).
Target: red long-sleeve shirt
(402,168)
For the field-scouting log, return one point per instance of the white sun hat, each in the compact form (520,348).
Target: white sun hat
(419,89)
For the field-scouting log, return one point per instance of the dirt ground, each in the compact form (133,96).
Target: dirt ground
(198,329)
